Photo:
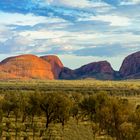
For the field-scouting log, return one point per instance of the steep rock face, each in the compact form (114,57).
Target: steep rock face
(55,63)
(25,67)
(97,70)
(67,74)
(131,66)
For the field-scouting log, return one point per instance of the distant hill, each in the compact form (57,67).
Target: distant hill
(50,67)
(97,70)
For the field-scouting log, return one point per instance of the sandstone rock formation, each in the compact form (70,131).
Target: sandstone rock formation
(50,67)
(67,74)
(55,63)
(131,66)
(25,67)
(97,70)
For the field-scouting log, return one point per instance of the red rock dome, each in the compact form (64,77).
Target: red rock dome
(25,66)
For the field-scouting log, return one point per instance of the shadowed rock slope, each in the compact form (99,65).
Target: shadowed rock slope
(130,68)
(97,70)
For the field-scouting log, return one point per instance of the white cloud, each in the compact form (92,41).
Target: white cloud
(71,3)
(130,2)
(75,40)
(18,41)
(20,19)
(114,20)
(16,44)
(5,33)
(44,34)
(136,1)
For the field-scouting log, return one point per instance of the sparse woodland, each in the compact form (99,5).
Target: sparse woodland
(69,110)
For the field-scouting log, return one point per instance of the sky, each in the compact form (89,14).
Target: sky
(78,31)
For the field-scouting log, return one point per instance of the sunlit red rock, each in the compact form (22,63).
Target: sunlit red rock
(25,67)
(55,63)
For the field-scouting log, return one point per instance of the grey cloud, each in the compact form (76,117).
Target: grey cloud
(103,50)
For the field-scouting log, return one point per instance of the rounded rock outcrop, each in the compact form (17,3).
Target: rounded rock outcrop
(97,70)
(131,66)
(25,67)
(55,63)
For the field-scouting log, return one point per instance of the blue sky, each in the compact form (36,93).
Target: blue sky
(78,31)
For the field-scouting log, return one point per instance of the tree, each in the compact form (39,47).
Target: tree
(56,108)
(10,103)
(88,107)
(33,106)
(63,106)
(113,116)
(47,105)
